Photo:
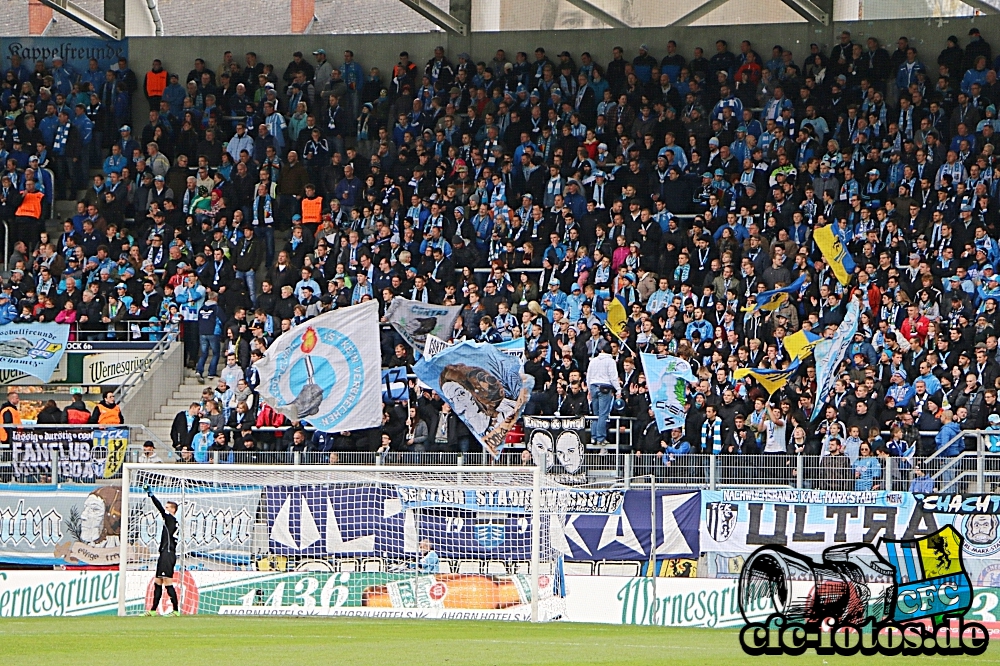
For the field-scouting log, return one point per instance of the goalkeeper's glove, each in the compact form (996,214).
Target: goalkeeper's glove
(147,490)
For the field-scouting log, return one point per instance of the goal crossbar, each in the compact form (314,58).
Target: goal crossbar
(464,477)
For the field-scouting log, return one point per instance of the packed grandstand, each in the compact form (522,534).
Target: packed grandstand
(538,192)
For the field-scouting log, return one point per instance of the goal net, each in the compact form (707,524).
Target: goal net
(428,542)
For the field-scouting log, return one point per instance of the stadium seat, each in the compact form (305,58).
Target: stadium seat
(347,564)
(372,565)
(606,568)
(444,567)
(496,568)
(579,568)
(470,566)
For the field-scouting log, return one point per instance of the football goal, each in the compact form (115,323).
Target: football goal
(400,541)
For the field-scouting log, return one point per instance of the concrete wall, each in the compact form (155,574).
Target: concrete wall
(381,50)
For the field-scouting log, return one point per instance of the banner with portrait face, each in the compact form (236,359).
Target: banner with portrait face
(414,321)
(559,445)
(48,527)
(485,387)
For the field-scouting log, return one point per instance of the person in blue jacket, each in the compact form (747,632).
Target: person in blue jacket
(8,312)
(209,336)
(949,443)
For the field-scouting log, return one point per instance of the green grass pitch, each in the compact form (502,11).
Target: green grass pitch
(221,641)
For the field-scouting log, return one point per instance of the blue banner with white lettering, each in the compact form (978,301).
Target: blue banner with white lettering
(627,536)
(368,520)
(389,521)
(34,349)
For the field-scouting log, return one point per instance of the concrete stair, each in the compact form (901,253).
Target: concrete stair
(186,393)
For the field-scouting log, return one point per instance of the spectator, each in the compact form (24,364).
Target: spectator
(107,412)
(148,454)
(185,425)
(76,413)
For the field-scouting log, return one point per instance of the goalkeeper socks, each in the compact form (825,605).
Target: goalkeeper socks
(157,595)
(172,593)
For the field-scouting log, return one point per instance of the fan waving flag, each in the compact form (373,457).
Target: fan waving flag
(835,253)
(772,300)
(800,344)
(830,352)
(771,380)
(326,371)
(617,318)
(485,387)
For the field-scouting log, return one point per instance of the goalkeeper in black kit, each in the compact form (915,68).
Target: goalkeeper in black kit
(168,555)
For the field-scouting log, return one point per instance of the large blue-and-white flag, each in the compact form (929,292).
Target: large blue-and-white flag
(34,349)
(667,378)
(327,371)
(484,386)
(829,353)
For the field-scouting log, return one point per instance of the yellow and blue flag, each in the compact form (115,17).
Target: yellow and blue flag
(772,300)
(835,253)
(617,318)
(771,380)
(800,344)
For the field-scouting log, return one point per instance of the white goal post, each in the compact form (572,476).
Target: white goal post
(388,541)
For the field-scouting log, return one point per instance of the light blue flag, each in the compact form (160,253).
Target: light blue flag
(483,385)
(33,349)
(772,300)
(830,353)
(514,348)
(667,378)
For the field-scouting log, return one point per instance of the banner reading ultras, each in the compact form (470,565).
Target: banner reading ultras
(515,500)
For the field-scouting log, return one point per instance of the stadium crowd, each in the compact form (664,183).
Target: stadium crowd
(531,190)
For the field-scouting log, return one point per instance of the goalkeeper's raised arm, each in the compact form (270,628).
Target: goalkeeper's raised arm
(167,559)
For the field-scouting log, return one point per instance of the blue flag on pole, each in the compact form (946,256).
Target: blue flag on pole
(667,378)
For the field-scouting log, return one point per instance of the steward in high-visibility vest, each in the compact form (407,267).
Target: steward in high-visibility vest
(312,207)
(107,412)
(10,414)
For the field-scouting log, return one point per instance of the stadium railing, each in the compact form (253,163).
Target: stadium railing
(976,469)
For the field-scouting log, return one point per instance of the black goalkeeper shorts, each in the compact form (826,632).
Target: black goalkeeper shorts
(165,565)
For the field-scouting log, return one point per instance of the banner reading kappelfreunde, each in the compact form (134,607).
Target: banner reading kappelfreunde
(34,349)
(75,52)
(327,371)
